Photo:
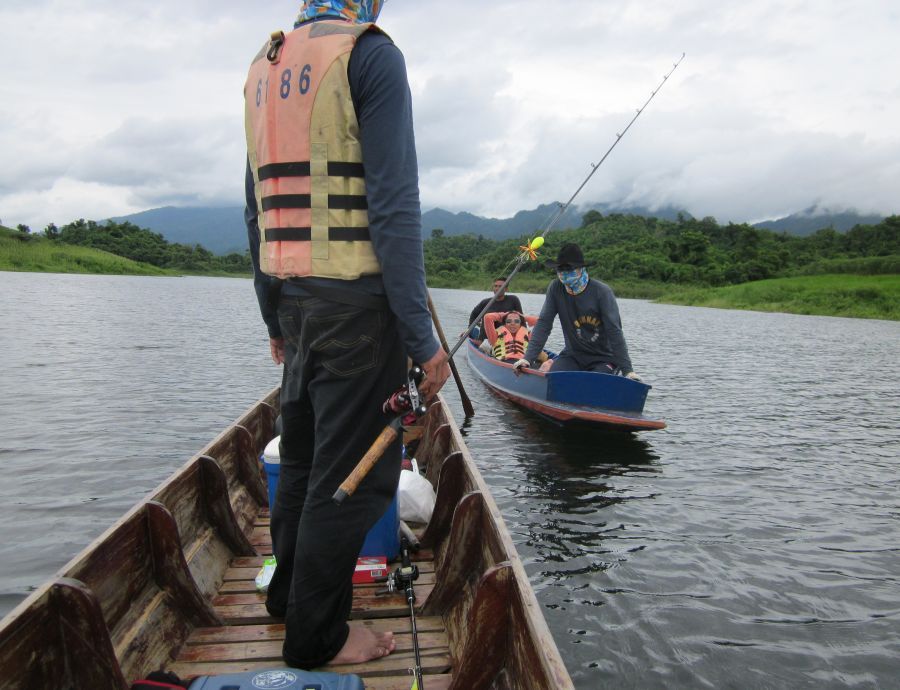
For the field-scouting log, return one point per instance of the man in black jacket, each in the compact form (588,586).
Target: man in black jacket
(504,302)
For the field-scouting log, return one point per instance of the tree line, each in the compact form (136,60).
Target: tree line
(619,246)
(686,251)
(139,244)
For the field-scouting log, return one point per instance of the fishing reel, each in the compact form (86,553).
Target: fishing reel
(406,398)
(399,580)
(402,578)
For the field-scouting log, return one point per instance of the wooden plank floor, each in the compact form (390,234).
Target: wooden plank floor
(251,639)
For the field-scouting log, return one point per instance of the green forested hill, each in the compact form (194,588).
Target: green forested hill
(686,260)
(140,244)
(699,262)
(65,250)
(34,253)
(687,251)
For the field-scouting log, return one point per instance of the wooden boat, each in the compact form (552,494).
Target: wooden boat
(568,398)
(171,584)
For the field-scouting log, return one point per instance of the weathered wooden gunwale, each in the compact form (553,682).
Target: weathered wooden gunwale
(171,584)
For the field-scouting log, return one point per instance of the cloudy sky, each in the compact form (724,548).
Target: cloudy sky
(109,107)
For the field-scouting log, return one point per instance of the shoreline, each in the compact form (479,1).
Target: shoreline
(839,295)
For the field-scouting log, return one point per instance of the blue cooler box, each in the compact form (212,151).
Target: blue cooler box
(384,537)
(271,459)
(278,679)
(382,540)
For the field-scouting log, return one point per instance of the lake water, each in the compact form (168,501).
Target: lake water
(755,543)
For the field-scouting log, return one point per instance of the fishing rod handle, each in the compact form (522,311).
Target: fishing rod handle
(365,465)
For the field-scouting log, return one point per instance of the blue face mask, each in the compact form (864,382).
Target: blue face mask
(575,280)
(359,11)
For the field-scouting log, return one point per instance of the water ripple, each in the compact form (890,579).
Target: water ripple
(753,543)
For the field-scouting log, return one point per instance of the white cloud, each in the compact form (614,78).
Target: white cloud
(113,106)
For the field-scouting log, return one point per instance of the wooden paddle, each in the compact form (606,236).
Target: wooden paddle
(466,403)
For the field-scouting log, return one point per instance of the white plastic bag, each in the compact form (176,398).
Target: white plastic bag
(415,497)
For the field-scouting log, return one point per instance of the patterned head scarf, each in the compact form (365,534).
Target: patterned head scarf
(575,280)
(359,11)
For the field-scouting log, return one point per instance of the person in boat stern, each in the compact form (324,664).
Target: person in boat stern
(334,226)
(504,302)
(589,315)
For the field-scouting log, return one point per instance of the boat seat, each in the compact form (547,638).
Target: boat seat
(149,600)
(197,496)
(434,444)
(476,592)
(471,547)
(237,451)
(450,487)
(63,624)
(259,421)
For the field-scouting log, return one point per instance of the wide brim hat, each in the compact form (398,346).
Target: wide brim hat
(568,258)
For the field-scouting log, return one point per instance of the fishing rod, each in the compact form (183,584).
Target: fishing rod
(529,251)
(402,578)
(406,404)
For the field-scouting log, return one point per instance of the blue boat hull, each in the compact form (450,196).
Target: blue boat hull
(570,398)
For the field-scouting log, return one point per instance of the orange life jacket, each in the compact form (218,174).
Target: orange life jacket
(509,346)
(305,155)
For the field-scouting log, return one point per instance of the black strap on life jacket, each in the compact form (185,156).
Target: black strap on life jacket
(304,234)
(342,202)
(302,169)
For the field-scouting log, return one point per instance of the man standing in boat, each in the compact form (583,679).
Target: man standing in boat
(334,226)
(589,315)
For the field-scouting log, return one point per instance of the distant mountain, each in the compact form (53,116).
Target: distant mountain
(523,223)
(527,222)
(221,229)
(813,219)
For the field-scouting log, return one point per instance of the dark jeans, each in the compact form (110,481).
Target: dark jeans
(341,363)
(566,361)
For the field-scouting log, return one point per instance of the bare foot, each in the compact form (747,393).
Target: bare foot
(364,645)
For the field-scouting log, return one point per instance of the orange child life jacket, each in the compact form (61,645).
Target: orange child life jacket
(305,154)
(509,346)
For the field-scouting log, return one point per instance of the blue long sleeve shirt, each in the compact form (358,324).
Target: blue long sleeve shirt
(591,325)
(380,91)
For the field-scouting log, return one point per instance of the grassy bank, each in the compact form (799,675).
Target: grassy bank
(31,253)
(37,254)
(866,297)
